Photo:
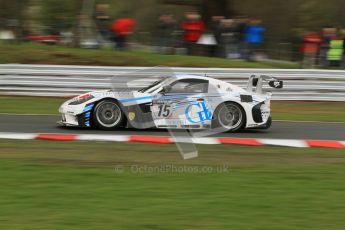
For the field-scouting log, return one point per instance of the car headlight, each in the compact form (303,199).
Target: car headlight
(81,99)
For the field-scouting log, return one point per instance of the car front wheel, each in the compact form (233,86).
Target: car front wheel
(107,115)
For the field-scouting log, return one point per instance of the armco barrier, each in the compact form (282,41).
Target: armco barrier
(57,80)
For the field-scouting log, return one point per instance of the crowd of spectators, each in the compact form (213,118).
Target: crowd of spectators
(325,48)
(234,38)
(238,38)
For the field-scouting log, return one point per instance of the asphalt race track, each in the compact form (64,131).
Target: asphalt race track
(279,129)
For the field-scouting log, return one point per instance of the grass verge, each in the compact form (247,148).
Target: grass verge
(83,185)
(50,54)
(281,110)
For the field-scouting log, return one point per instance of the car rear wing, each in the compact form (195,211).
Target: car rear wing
(255,83)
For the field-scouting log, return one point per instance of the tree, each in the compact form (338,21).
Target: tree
(12,15)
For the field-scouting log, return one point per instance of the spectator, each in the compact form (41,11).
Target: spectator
(342,35)
(241,25)
(225,37)
(192,27)
(254,38)
(217,31)
(122,28)
(310,49)
(7,33)
(335,51)
(166,28)
(102,21)
(327,34)
(228,38)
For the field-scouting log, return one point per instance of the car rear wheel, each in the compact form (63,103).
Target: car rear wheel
(108,115)
(229,117)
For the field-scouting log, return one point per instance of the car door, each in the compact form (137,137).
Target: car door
(183,104)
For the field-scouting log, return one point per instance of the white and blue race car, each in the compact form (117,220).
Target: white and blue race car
(177,102)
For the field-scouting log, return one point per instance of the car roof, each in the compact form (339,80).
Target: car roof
(184,76)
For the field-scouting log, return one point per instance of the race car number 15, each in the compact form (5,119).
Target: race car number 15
(164,110)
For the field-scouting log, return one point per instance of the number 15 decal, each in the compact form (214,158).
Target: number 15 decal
(164,110)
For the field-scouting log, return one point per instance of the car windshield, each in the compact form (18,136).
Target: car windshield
(154,84)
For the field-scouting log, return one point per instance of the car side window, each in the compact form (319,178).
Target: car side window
(189,86)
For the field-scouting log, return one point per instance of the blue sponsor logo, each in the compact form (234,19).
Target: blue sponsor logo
(202,114)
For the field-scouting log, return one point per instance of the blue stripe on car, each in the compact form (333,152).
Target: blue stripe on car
(135,99)
(88,107)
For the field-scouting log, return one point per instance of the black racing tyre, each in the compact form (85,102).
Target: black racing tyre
(229,117)
(107,115)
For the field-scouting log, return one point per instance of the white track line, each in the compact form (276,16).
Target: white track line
(18,136)
(86,137)
(284,142)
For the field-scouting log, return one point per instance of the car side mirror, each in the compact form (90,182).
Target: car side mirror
(276,84)
(166,89)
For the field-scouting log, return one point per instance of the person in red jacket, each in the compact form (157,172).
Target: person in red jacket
(310,49)
(122,28)
(192,27)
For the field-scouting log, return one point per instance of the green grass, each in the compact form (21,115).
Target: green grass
(31,53)
(308,110)
(30,105)
(74,185)
(281,110)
